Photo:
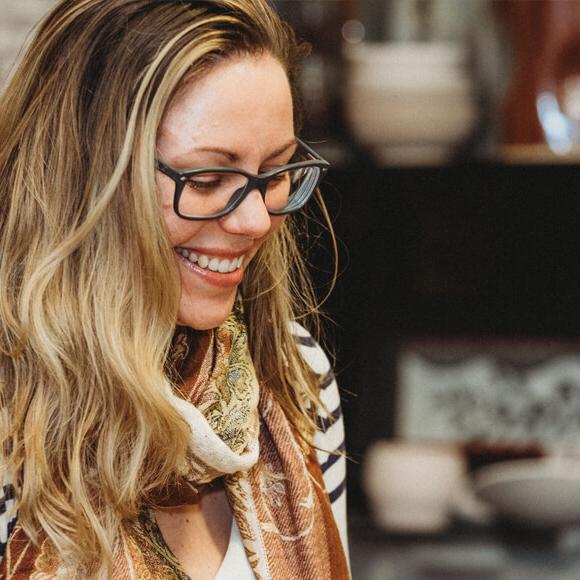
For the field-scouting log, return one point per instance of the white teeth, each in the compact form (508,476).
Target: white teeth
(222,265)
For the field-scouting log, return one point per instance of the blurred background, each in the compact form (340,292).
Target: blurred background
(453,127)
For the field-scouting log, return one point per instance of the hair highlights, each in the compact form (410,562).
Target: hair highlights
(89,288)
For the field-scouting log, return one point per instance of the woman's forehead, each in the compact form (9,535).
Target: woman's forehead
(243,103)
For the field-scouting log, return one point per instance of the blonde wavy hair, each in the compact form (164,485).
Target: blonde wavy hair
(89,288)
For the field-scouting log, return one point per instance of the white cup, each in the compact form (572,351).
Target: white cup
(410,485)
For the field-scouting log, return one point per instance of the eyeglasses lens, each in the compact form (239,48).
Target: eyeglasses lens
(209,193)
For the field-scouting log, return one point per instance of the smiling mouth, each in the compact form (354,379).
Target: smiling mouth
(212,263)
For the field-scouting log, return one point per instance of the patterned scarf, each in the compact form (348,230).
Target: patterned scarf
(238,432)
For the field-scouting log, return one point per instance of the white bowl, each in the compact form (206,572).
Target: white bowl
(540,492)
(410,103)
(409,485)
(407,53)
(400,80)
(381,119)
(407,66)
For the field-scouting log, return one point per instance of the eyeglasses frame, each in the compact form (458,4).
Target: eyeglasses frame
(259,182)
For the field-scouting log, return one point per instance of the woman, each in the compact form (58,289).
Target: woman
(162,416)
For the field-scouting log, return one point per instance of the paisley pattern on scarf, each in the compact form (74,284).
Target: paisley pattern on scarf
(230,399)
(238,432)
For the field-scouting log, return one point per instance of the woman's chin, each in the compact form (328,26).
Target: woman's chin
(205,314)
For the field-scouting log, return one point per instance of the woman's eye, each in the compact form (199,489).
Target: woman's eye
(205,183)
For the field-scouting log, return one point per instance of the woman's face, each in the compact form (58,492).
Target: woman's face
(238,115)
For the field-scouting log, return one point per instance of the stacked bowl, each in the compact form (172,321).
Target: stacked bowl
(409,103)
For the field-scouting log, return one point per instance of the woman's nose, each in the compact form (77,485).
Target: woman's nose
(250,218)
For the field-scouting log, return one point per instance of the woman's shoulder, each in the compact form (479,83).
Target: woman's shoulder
(311,351)
(329,439)
(7,513)
(318,361)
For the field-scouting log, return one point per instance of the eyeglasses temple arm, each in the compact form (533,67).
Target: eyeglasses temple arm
(314,154)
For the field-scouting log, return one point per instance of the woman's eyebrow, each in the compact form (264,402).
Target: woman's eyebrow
(283,149)
(235,157)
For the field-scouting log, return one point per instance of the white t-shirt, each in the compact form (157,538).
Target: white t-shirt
(235,564)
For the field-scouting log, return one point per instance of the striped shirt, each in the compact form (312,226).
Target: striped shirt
(329,442)
(329,439)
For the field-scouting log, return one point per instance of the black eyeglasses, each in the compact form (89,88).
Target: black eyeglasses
(209,193)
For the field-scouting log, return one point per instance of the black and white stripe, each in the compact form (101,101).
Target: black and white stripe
(329,439)
(7,515)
